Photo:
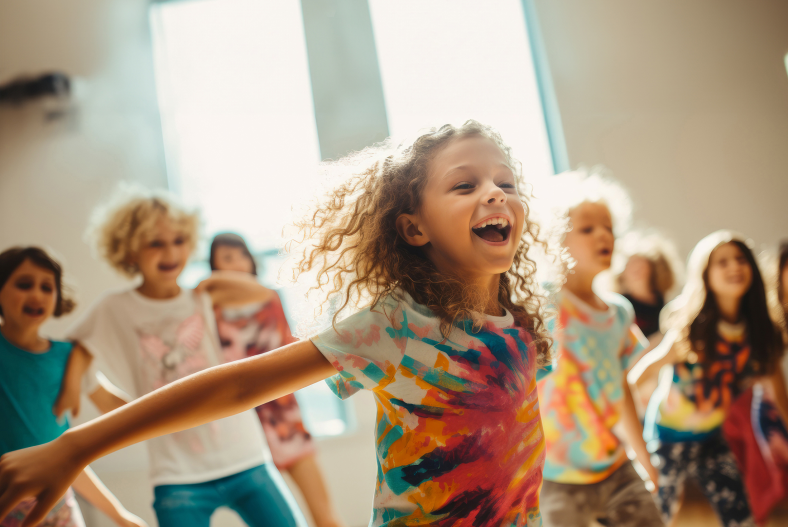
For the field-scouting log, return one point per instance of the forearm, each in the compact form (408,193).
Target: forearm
(206,396)
(633,430)
(106,400)
(90,487)
(231,288)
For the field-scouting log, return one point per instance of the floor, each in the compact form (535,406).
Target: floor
(696,512)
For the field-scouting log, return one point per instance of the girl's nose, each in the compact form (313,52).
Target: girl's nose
(495,195)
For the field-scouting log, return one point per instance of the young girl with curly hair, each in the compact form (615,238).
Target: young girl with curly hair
(720,340)
(430,241)
(154,333)
(32,369)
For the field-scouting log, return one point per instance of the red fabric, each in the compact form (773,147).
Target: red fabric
(766,484)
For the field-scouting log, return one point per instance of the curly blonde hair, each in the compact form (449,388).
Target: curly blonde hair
(558,196)
(351,242)
(118,230)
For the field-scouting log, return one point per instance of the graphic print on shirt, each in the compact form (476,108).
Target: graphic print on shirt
(171,351)
(697,401)
(458,437)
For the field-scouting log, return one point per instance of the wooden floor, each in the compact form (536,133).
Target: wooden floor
(696,512)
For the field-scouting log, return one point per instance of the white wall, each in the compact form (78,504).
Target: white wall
(686,102)
(52,174)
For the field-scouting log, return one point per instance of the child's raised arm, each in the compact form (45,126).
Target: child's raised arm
(45,471)
(90,487)
(228,288)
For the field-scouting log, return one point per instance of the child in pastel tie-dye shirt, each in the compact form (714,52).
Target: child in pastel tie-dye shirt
(429,241)
(586,401)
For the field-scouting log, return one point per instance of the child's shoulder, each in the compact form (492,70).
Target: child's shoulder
(61,346)
(619,303)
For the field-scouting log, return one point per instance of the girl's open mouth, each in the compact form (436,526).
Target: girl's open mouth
(33,311)
(167,267)
(495,233)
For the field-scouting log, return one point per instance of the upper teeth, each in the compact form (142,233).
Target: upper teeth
(503,222)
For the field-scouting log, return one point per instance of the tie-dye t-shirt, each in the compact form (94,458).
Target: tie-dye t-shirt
(690,404)
(583,396)
(459,439)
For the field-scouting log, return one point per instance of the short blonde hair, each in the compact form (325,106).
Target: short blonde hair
(118,230)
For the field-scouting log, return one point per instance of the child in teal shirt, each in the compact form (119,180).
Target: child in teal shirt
(32,369)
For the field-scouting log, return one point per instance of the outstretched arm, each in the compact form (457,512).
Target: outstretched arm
(233,288)
(90,487)
(633,433)
(45,471)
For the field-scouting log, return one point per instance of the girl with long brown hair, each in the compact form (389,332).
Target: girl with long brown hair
(720,339)
(428,242)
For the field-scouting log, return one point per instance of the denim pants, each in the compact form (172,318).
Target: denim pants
(259,496)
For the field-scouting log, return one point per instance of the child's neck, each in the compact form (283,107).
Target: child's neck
(489,286)
(581,285)
(159,290)
(26,338)
(729,308)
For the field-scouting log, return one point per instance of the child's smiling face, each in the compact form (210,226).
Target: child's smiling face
(729,273)
(471,217)
(591,239)
(164,253)
(29,297)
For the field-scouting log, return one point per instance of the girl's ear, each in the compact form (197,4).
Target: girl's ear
(407,227)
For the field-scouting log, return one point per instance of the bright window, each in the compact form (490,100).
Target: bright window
(239,127)
(446,61)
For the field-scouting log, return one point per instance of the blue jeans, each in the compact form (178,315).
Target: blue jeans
(259,496)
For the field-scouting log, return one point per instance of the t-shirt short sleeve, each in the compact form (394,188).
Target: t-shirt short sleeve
(97,331)
(635,343)
(366,348)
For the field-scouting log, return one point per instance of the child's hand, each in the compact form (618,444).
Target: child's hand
(233,288)
(653,475)
(68,399)
(43,472)
(128,519)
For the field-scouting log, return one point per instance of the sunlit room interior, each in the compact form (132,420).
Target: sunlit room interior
(231,106)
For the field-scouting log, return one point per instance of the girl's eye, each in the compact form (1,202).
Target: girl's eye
(24,286)
(180,240)
(47,288)
(586,230)
(157,244)
(463,186)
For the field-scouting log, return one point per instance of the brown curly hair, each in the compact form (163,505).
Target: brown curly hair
(350,239)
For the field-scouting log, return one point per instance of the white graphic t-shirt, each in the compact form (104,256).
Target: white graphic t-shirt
(142,344)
